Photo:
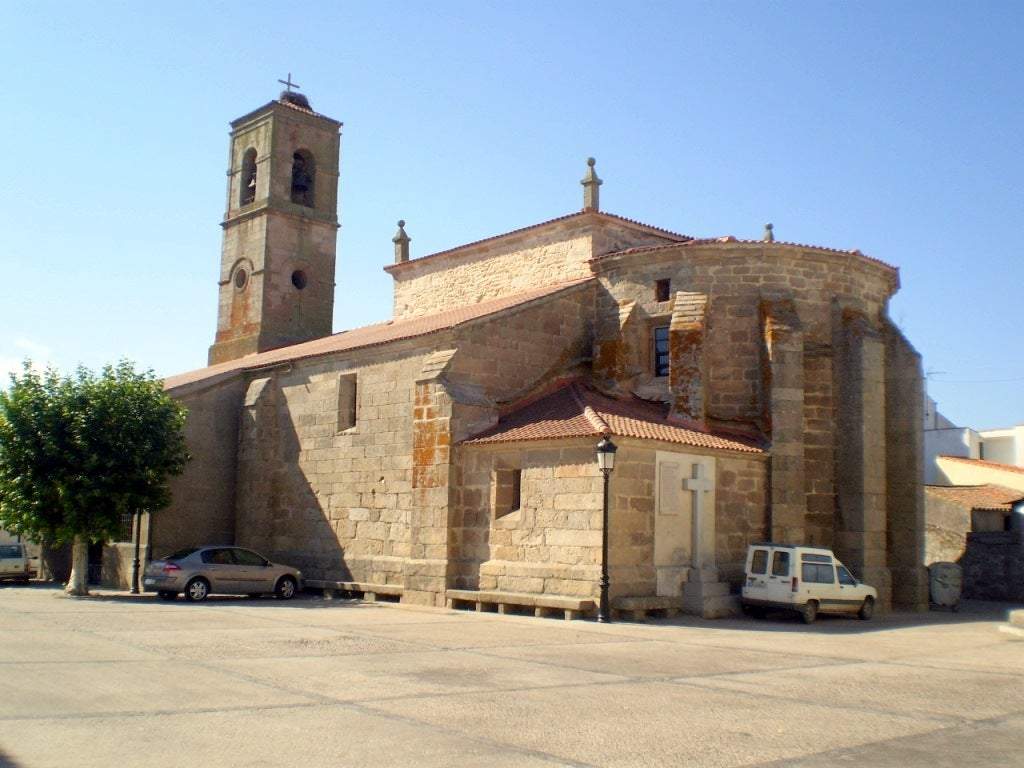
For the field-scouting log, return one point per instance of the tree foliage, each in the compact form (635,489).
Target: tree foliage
(76,452)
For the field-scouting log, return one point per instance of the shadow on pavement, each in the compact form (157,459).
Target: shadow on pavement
(971,612)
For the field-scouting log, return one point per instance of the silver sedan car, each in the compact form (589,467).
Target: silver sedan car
(200,571)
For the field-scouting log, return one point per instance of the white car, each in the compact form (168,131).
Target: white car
(808,580)
(14,563)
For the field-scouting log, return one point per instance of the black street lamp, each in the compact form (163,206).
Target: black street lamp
(135,564)
(606,462)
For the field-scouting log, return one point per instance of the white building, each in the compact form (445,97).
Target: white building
(943,438)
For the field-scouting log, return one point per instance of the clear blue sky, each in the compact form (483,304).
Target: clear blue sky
(895,128)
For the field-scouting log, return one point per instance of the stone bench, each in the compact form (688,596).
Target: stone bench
(369,592)
(640,607)
(542,605)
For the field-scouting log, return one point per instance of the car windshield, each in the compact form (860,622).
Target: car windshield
(10,550)
(181,554)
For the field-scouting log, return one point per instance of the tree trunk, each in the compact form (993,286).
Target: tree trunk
(78,584)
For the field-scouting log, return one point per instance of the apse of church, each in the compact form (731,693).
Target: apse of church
(756,389)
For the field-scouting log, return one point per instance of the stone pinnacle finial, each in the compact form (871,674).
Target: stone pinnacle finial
(401,241)
(591,193)
(769,235)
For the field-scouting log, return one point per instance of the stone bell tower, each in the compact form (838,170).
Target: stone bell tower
(276,283)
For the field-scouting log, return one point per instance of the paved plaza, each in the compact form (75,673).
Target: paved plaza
(119,680)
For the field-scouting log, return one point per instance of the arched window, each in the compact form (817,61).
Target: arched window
(247,188)
(303,178)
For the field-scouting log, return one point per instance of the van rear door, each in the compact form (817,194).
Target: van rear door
(780,576)
(757,573)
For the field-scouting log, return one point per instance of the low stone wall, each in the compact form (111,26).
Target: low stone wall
(993,566)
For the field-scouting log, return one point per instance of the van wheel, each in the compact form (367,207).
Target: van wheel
(867,610)
(809,612)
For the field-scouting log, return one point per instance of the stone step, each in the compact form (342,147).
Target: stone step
(722,607)
(369,591)
(642,607)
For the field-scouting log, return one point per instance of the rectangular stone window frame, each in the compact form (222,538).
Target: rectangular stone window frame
(663,289)
(348,402)
(506,491)
(660,360)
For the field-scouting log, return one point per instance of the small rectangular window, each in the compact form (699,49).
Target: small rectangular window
(508,485)
(846,578)
(517,488)
(759,562)
(780,564)
(662,289)
(348,398)
(661,351)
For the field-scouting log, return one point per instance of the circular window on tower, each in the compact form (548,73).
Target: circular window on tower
(299,279)
(241,278)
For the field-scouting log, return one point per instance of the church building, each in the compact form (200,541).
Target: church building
(756,390)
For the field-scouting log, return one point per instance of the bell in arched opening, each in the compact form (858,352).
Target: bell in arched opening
(303,178)
(247,187)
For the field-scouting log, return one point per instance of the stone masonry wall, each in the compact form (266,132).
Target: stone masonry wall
(545,255)
(202,509)
(946,527)
(336,504)
(552,542)
(737,278)
(505,356)
(490,271)
(904,464)
(993,566)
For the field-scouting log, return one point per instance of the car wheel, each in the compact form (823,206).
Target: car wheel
(809,612)
(868,609)
(197,590)
(165,595)
(285,589)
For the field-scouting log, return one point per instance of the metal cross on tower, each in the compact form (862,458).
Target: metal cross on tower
(288,84)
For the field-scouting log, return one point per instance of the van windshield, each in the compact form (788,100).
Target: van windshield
(10,550)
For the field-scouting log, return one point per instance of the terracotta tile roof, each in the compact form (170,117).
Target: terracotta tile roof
(988,464)
(990,496)
(373,335)
(732,240)
(577,410)
(579,214)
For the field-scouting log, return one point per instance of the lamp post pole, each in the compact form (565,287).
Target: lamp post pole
(603,614)
(606,462)
(135,563)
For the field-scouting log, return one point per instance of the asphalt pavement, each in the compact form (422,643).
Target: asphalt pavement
(122,680)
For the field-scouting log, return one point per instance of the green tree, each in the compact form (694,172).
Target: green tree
(77,452)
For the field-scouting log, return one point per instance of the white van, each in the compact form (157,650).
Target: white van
(14,562)
(807,580)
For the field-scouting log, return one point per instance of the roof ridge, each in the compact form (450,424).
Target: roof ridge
(591,415)
(986,462)
(731,240)
(377,334)
(679,237)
